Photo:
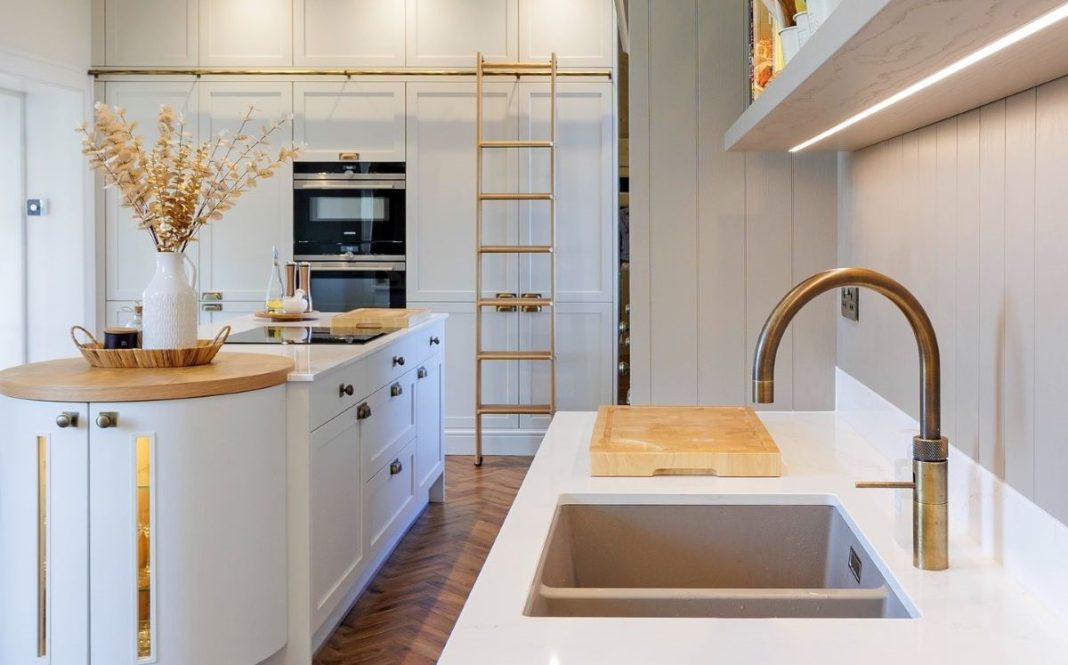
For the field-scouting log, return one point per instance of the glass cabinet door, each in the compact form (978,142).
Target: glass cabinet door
(43,510)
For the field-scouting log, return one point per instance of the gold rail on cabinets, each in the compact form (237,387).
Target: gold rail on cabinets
(349,73)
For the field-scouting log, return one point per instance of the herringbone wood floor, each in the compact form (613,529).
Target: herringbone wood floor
(409,609)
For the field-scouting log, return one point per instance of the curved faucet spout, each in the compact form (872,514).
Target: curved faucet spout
(930,377)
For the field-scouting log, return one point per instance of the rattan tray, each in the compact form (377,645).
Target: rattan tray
(98,356)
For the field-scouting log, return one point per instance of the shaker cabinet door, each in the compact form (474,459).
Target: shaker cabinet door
(450,33)
(350,120)
(441,190)
(585,191)
(239,33)
(348,33)
(150,33)
(130,257)
(44,583)
(235,251)
(430,448)
(582,33)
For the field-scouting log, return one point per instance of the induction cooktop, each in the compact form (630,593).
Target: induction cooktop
(302,335)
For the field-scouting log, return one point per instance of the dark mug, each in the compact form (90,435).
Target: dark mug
(120,338)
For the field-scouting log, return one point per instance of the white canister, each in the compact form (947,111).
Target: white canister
(818,11)
(170,304)
(790,43)
(804,29)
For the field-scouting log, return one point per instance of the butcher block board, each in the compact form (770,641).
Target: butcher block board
(381,317)
(682,440)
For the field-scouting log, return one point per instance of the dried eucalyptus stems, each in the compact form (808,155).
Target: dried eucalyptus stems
(178,186)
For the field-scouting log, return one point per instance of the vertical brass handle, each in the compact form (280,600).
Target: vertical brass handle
(107,419)
(42,546)
(396,390)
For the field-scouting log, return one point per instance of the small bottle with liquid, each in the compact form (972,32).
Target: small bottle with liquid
(276,289)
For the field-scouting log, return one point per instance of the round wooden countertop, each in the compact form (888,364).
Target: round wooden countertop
(74,380)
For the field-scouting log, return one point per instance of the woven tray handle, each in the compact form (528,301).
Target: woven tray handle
(92,340)
(221,336)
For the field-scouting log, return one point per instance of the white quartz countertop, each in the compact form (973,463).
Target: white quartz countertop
(309,360)
(975,612)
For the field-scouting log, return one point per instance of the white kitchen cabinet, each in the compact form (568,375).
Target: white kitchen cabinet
(197,486)
(150,33)
(581,32)
(130,258)
(337,545)
(235,252)
(361,120)
(441,190)
(44,471)
(348,33)
(585,353)
(450,33)
(256,33)
(167,527)
(585,175)
(430,446)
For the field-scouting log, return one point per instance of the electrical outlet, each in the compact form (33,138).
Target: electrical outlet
(851,303)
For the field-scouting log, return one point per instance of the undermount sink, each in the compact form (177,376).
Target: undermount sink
(731,561)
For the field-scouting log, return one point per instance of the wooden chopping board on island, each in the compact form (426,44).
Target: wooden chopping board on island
(682,440)
(381,317)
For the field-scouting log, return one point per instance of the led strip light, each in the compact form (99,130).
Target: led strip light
(1018,35)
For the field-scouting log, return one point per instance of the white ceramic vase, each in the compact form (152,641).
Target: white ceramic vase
(170,304)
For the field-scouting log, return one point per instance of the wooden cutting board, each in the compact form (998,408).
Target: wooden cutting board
(380,317)
(682,440)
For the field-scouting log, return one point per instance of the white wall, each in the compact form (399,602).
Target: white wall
(717,238)
(970,215)
(44,54)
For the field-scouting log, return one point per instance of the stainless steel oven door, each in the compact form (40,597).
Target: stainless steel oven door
(364,217)
(341,286)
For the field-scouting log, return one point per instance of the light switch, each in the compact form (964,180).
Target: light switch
(35,207)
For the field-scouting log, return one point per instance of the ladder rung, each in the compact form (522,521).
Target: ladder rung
(509,66)
(515,249)
(521,409)
(516,196)
(515,355)
(516,144)
(515,302)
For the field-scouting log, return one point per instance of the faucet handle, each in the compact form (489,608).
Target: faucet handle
(885,485)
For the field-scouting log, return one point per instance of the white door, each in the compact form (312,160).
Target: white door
(350,120)
(256,33)
(12,229)
(441,190)
(150,33)
(44,470)
(430,448)
(130,256)
(188,510)
(581,32)
(235,252)
(449,33)
(585,352)
(585,190)
(337,546)
(360,33)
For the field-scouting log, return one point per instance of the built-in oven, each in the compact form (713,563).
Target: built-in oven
(349,224)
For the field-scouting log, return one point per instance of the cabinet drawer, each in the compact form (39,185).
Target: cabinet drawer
(390,425)
(387,497)
(331,394)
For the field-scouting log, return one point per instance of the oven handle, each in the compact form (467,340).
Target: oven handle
(362,266)
(360,184)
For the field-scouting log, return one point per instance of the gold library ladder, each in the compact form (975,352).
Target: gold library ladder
(532,302)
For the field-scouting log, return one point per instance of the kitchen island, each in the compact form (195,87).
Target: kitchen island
(978,611)
(364,456)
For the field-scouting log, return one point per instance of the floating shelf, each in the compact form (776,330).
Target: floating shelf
(868,50)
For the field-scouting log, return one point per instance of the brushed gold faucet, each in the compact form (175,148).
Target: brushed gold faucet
(930,450)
